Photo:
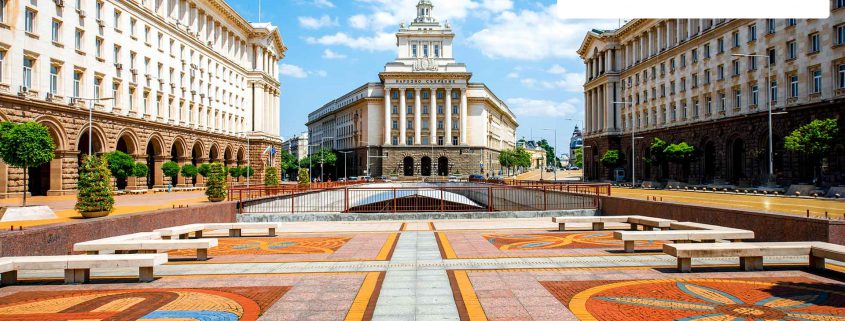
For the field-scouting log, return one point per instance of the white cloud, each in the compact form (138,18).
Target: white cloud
(556,70)
(497,5)
(381,41)
(329,54)
(533,35)
(323,3)
(292,71)
(359,21)
(513,75)
(317,23)
(543,108)
(528,82)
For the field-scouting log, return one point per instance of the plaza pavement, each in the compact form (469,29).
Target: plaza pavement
(503,269)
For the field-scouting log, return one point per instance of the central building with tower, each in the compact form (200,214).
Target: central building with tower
(423,118)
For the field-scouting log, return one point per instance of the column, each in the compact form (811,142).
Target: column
(448,113)
(677,31)
(464,116)
(387,118)
(417,116)
(659,38)
(403,118)
(258,107)
(432,118)
(587,124)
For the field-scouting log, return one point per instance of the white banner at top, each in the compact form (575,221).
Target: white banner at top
(694,9)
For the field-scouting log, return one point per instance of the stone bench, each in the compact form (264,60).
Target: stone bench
(181,231)
(681,236)
(147,246)
(751,254)
(598,222)
(234,229)
(78,267)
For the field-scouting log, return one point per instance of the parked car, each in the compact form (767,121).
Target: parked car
(384,178)
(476,177)
(353,178)
(454,179)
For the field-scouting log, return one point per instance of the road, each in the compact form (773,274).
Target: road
(537,175)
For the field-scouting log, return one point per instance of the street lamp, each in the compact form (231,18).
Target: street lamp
(91,102)
(322,143)
(633,146)
(554,159)
(770,180)
(344,164)
(248,152)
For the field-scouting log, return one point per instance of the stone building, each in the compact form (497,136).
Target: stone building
(685,81)
(297,145)
(424,118)
(182,80)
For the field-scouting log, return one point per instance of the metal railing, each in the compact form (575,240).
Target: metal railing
(362,199)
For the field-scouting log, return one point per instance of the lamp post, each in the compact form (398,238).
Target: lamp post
(344,164)
(322,143)
(248,153)
(554,159)
(771,178)
(633,145)
(91,102)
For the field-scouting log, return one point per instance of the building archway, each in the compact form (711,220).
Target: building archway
(154,151)
(736,155)
(408,166)
(241,158)
(43,179)
(97,144)
(229,157)
(127,145)
(443,166)
(178,154)
(425,166)
(196,160)
(214,153)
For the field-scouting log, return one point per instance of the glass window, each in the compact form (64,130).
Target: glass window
(773,91)
(791,22)
(439,124)
(77,84)
(817,81)
(77,39)
(791,50)
(409,141)
(28,64)
(97,86)
(29,21)
(425,110)
(772,53)
(708,104)
(840,35)
(115,92)
(752,63)
(414,51)
(454,110)
(440,110)
(54,79)
(737,98)
(116,19)
(694,55)
(395,125)
(706,51)
(56,32)
(736,67)
(755,97)
(425,51)
(117,56)
(771,25)
(394,95)
(436,51)
(98,43)
(440,140)
(815,43)
(395,140)
(455,140)
(793,86)
(720,45)
(2,61)
(840,3)
(752,32)
(841,74)
(2,10)
(721,72)
(735,38)
(722,102)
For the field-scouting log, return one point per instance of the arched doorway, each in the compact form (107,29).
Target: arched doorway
(425,166)
(42,179)
(82,145)
(153,152)
(228,157)
(177,154)
(214,154)
(126,145)
(408,166)
(442,166)
(709,161)
(196,155)
(737,160)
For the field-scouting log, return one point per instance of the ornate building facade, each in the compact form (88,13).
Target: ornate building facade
(705,82)
(424,118)
(182,80)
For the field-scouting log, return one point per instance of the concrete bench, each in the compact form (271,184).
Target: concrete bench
(236,228)
(78,267)
(147,246)
(181,231)
(751,254)
(598,222)
(681,236)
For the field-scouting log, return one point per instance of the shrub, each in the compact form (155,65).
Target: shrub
(247,171)
(235,172)
(25,145)
(611,158)
(304,176)
(189,171)
(121,165)
(271,177)
(170,169)
(204,169)
(216,185)
(94,186)
(140,170)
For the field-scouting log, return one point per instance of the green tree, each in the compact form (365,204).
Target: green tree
(289,162)
(611,158)
(657,152)
(235,172)
(325,156)
(682,154)
(140,170)
(120,164)
(24,146)
(577,157)
(189,171)
(170,169)
(94,193)
(247,172)
(304,177)
(814,139)
(506,159)
(204,169)
(216,184)
(521,158)
(271,177)
(551,158)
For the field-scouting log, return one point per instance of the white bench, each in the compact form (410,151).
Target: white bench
(78,267)
(751,254)
(598,222)
(235,229)
(684,232)
(146,246)
(181,231)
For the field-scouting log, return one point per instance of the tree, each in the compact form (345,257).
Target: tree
(235,172)
(611,158)
(247,172)
(521,158)
(170,169)
(506,159)
(24,146)
(94,194)
(304,177)
(204,169)
(271,177)
(289,162)
(551,158)
(658,155)
(189,171)
(577,158)
(216,185)
(815,140)
(682,154)
(140,170)
(120,164)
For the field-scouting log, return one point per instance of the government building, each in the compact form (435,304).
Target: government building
(705,82)
(424,118)
(189,81)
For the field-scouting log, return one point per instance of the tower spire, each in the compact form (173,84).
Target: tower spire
(424,8)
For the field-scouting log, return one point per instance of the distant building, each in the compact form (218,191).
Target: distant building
(538,154)
(297,145)
(576,142)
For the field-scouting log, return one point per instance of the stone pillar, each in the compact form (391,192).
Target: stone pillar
(56,177)
(659,38)
(464,115)
(587,125)
(417,116)
(182,181)
(432,118)
(159,176)
(447,137)
(387,117)
(403,118)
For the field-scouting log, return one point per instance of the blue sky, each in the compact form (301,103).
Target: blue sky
(520,49)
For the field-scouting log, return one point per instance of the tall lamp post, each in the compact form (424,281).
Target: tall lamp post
(633,145)
(248,153)
(322,143)
(554,155)
(771,178)
(91,102)
(344,164)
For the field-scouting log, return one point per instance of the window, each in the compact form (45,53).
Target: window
(425,141)
(722,102)
(771,26)
(694,81)
(455,140)
(841,73)
(840,3)
(56,30)
(671,67)
(817,81)
(791,50)
(772,53)
(425,110)
(395,140)
(97,87)
(425,95)
(117,19)
(815,43)
(736,68)
(147,35)
(115,91)
(755,95)
(720,45)
(28,64)
(684,108)
(735,38)
(2,61)
(793,86)
(78,5)
(695,108)
(440,140)
(708,105)
(737,98)
(99,11)
(54,79)
(840,35)
(752,63)
(77,39)
(454,110)
(77,84)
(706,51)
(414,51)
(436,51)
(439,95)
(683,84)
(395,125)
(394,95)
(409,124)
(425,125)
(440,110)
(132,23)
(425,51)
(707,76)
(695,55)
(98,45)
(773,91)
(720,72)
(409,141)
(439,124)
(409,94)
(29,21)
(671,88)
(683,60)
(455,126)
(409,110)
(2,10)
(117,55)
(791,22)
(752,32)
(456,95)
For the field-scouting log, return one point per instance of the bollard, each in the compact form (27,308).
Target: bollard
(825,215)
(808,213)
(20,228)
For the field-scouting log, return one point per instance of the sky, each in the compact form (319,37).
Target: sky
(519,48)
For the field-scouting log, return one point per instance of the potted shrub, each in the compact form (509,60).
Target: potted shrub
(204,169)
(216,185)
(170,169)
(304,177)
(121,166)
(271,177)
(190,172)
(140,170)
(94,197)
(235,172)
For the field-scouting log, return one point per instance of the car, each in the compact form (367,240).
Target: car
(454,179)
(341,179)
(476,177)
(384,178)
(353,178)
(367,178)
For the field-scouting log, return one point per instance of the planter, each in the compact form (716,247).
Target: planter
(216,199)
(94,214)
